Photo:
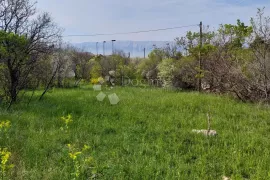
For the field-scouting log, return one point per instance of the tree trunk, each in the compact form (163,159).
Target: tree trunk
(49,83)
(14,81)
(59,80)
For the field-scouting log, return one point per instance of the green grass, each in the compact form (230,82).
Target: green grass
(146,136)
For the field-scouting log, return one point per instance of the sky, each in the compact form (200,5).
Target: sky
(84,17)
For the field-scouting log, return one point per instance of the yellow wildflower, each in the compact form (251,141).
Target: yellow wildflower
(85,148)
(4,155)
(74,155)
(4,125)
(67,120)
(94,81)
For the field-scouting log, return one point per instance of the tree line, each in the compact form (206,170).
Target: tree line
(234,58)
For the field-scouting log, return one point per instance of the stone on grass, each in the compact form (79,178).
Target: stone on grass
(225,178)
(101,96)
(205,132)
(113,98)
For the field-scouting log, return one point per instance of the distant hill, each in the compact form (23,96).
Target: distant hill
(134,47)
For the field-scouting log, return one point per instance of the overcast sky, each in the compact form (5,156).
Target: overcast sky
(114,16)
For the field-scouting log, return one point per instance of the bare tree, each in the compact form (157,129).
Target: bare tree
(80,64)
(58,63)
(260,47)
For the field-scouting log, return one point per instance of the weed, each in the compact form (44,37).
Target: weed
(5,166)
(4,125)
(147,136)
(67,120)
(81,162)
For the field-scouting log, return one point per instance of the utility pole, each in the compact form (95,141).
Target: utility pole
(200,59)
(104,48)
(144,53)
(168,49)
(97,47)
(113,46)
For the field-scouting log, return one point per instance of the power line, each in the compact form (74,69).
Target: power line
(135,32)
(152,30)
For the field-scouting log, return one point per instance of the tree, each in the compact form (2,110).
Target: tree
(191,49)
(148,68)
(166,72)
(227,58)
(260,47)
(58,64)
(80,64)
(32,39)
(13,55)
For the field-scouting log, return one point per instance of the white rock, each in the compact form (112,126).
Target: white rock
(225,178)
(205,132)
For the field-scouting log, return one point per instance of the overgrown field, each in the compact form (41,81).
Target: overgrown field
(146,136)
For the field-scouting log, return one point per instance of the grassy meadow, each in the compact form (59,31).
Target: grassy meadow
(148,135)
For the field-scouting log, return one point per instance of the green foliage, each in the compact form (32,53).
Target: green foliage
(96,68)
(13,46)
(5,165)
(13,57)
(66,120)
(154,141)
(238,33)
(157,55)
(148,68)
(82,163)
(191,42)
(4,125)
(3,69)
(166,72)
(117,64)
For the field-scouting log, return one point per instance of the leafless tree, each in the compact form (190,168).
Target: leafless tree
(58,63)
(260,47)
(80,64)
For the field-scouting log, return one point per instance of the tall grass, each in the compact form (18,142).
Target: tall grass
(146,136)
